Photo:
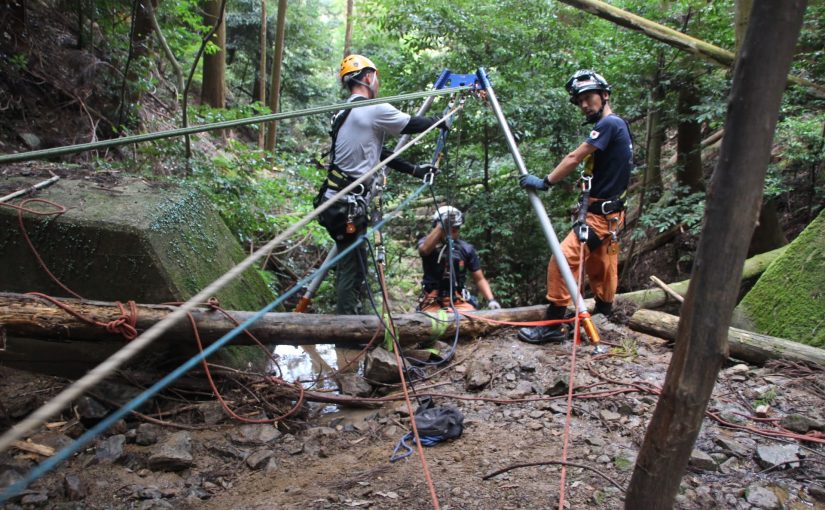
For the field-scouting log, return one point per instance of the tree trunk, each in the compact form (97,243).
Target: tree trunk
(213,89)
(277,64)
(709,52)
(80,23)
(23,315)
(768,234)
(655,136)
(348,31)
(141,28)
(740,20)
(745,345)
(733,201)
(689,141)
(166,50)
(710,143)
(185,115)
(262,71)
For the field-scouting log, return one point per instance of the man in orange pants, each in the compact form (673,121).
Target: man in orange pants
(608,156)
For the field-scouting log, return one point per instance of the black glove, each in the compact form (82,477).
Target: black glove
(447,124)
(532,182)
(421,170)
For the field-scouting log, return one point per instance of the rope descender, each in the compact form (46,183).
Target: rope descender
(582,229)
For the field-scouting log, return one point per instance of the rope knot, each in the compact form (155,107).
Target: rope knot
(125,324)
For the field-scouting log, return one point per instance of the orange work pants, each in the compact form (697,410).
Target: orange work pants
(601,265)
(430,302)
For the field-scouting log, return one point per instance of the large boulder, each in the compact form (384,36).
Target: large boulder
(122,240)
(788,301)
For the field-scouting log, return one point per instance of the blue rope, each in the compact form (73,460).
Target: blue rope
(136,402)
(402,443)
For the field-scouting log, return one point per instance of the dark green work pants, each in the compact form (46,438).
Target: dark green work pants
(350,279)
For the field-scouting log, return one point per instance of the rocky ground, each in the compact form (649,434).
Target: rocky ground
(513,397)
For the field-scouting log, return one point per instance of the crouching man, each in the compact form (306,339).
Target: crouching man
(444,275)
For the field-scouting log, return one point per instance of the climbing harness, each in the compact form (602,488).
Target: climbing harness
(446,83)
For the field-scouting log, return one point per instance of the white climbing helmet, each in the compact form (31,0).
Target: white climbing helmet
(449,215)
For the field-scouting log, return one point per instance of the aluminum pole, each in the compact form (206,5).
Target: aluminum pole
(538,207)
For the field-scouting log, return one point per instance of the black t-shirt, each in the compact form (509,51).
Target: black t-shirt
(613,159)
(435,264)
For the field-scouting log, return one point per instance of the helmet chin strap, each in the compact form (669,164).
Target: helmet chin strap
(592,119)
(368,86)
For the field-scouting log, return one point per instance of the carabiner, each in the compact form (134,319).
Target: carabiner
(583,232)
(429,178)
(586,183)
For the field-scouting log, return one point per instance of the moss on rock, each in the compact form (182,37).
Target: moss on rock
(788,301)
(134,240)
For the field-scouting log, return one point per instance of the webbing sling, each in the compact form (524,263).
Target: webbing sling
(337,121)
(336,179)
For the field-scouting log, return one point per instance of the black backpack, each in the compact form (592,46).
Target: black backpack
(438,423)
(434,425)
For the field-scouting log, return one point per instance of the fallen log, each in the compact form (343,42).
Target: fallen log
(654,297)
(745,345)
(28,316)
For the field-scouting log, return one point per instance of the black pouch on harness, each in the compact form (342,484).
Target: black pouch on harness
(438,422)
(341,214)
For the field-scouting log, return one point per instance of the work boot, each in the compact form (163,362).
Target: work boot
(603,307)
(546,334)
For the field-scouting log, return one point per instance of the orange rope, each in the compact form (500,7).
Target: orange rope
(60,210)
(570,384)
(399,362)
(123,325)
(229,411)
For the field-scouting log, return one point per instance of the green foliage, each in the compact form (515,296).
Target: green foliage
(801,140)
(307,76)
(766,398)
(259,199)
(211,48)
(623,464)
(205,114)
(19,61)
(629,348)
(680,207)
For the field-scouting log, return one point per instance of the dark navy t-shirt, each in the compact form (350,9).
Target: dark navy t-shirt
(613,159)
(465,259)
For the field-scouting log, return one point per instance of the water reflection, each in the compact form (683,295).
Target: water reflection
(315,364)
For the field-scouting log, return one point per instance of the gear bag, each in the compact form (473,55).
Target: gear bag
(441,422)
(434,424)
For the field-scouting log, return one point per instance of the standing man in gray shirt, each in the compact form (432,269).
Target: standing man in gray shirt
(357,146)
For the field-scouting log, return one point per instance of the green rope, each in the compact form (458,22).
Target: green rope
(82,147)
(389,344)
(439,324)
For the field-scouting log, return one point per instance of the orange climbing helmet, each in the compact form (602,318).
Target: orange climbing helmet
(353,65)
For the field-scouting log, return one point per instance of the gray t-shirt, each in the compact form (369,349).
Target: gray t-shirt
(361,137)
